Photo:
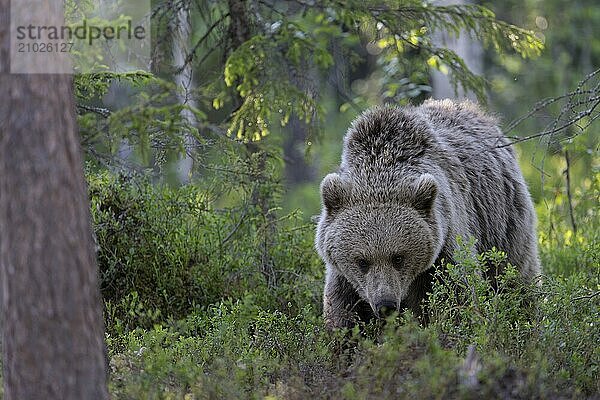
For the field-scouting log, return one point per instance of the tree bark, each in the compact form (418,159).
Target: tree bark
(53,345)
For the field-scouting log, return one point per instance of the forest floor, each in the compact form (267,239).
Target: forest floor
(193,311)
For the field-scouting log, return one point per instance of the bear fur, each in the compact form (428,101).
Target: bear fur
(411,181)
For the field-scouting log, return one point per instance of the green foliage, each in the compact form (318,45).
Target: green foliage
(188,310)
(395,30)
(267,76)
(234,342)
(90,86)
(254,64)
(467,307)
(401,28)
(518,321)
(151,123)
(564,251)
(165,251)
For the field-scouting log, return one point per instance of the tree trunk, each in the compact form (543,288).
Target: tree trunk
(297,169)
(184,82)
(52,318)
(467,48)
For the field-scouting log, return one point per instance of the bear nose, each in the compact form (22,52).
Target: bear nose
(385,308)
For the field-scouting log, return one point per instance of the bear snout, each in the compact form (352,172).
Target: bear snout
(385,308)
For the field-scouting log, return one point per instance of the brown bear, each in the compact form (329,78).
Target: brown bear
(411,181)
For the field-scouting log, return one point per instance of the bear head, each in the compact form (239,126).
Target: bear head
(380,242)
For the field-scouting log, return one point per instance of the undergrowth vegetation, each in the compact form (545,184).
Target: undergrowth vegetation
(202,302)
(166,252)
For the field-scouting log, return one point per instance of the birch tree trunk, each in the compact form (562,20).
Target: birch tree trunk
(184,82)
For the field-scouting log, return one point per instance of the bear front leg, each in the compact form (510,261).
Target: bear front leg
(342,307)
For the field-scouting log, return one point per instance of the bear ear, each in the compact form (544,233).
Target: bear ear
(425,193)
(334,192)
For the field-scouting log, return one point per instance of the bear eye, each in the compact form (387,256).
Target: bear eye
(397,260)
(363,265)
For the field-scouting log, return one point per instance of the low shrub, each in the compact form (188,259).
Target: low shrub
(164,252)
(196,308)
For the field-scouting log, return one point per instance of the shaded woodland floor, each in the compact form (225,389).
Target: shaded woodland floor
(192,312)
